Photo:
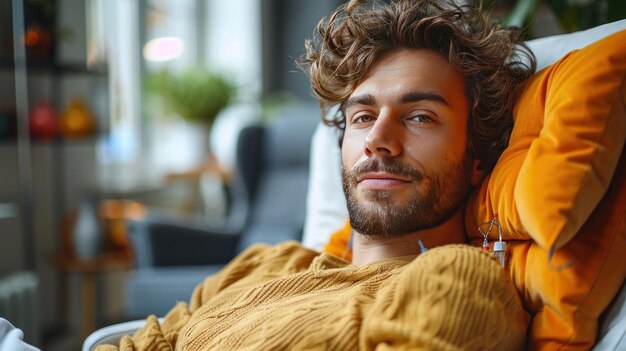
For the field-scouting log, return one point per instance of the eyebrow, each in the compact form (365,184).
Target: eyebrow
(365,99)
(413,96)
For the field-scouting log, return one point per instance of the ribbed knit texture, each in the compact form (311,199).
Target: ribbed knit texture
(290,298)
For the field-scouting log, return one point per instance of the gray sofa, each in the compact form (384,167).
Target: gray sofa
(267,204)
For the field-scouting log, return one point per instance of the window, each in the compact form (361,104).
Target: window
(138,38)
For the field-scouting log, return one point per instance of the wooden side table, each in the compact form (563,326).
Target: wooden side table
(87,269)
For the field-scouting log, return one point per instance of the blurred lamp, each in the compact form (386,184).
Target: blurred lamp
(162,49)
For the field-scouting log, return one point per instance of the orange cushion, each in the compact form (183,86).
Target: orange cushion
(568,135)
(570,127)
(338,243)
(549,185)
(566,303)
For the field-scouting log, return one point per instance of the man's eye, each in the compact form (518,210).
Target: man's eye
(422,118)
(363,119)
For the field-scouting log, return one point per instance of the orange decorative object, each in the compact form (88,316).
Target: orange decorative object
(77,120)
(38,42)
(113,215)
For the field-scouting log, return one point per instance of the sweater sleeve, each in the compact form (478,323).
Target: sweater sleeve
(255,264)
(451,298)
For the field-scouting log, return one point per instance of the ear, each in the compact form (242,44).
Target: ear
(477,173)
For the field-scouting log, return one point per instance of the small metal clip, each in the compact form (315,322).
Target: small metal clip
(499,247)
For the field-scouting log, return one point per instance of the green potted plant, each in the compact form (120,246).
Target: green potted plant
(196,94)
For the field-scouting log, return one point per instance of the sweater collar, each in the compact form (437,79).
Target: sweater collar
(329,261)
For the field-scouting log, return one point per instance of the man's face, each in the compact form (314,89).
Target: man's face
(406,166)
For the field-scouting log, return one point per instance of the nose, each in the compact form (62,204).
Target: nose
(383,140)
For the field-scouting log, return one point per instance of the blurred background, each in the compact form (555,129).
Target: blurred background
(116,111)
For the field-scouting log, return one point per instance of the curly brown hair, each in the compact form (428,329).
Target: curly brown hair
(492,59)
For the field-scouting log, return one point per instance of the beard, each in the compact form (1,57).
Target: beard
(435,197)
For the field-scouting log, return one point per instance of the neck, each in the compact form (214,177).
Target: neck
(371,248)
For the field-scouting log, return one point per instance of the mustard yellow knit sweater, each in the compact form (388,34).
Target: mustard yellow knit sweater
(290,298)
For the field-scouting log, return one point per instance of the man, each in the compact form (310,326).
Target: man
(426,90)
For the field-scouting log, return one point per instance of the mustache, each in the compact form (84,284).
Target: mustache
(387,165)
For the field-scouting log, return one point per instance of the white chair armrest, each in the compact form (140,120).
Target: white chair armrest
(112,334)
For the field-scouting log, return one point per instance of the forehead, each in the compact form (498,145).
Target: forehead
(414,70)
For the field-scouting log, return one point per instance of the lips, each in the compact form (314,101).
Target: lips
(381,180)
(381,174)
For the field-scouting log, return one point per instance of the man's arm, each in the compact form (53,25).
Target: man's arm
(257,263)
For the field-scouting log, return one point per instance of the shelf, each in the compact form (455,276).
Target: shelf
(54,67)
(59,141)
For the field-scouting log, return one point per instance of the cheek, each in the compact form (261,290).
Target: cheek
(351,150)
(458,145)
(433,151)
(454,142)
